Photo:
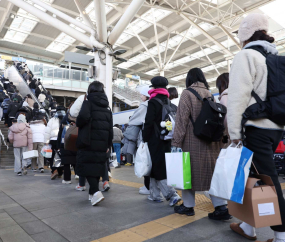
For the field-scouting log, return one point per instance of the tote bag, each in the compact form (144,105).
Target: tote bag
(178,170)
(231,173)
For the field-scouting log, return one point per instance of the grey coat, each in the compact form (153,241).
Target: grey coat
(133,134)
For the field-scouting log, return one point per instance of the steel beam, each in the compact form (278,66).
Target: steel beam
(83,14)
(125,20)
(52,21)
(207,35)
(63,15)
(6,16)
(101,22)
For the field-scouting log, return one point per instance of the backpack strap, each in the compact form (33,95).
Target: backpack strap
(196,94)
(259,49)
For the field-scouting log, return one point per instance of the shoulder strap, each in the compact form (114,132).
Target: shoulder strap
(196,94)
(158,100)
(256,97)
(259,49)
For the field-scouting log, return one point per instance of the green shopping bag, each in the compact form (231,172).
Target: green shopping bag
(178,169)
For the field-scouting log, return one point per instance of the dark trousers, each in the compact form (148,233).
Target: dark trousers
(10,122)
(93,183)
(67,172)
(147,181)
(129,158)
(82,180)
(6,118)
(59,169)
(264,143)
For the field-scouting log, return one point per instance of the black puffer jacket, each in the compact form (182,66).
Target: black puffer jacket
(13,109)
(91,159)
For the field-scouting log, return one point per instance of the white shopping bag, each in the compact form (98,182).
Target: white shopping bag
(113,160)
(143,162)
(30,154)
(178,169)
(231,173)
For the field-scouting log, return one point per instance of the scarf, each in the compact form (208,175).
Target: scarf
(154,92)
(268,47)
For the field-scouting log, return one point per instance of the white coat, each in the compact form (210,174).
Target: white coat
(76,107)
(42,97)
(51,130)
(38,129)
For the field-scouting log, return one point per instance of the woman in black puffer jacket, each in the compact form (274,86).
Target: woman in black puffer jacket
(95,134)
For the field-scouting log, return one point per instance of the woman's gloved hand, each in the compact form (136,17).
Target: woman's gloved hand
(175,149)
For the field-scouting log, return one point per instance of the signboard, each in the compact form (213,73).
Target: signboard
(10,58)
(78,58)
(133,77)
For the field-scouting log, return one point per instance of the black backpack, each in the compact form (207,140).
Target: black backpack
(274,106)
(209,126)
(168,114)
(2,97)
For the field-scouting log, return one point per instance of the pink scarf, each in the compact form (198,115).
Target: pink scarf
(154,92)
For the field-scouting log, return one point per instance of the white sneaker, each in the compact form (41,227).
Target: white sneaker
(90,197)
(34,170)
(174,200)
(76,177)
(66,182)
(97,198)
(143,191)
(79,188)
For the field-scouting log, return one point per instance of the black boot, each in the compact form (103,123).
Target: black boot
(183,210)
(220,213)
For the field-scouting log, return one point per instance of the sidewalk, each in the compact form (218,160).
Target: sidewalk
(34,208)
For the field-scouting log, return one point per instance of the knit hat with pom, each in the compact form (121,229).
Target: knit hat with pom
(250,24)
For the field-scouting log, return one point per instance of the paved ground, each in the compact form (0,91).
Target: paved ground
(34,208)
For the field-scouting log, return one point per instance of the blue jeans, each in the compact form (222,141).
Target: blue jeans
(117,149)
(33,90)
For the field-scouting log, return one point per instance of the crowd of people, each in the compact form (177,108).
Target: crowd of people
(95,135)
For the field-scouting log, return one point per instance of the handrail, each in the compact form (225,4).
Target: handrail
(32,94)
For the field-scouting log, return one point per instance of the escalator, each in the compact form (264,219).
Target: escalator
(23,87)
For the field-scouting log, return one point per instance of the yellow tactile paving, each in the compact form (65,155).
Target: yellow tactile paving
(123,236)
(176,221)
(283,186)
(151,229)
(154,228)
(126,183)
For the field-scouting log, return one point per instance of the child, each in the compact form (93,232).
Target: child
(20,134)
(38,128)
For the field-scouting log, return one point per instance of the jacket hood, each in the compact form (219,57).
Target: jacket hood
(18,127)
(268,47)
(99,99)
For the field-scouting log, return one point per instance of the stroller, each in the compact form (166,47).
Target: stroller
(279,157)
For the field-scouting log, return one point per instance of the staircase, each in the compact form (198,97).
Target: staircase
(127,95)
(6,156)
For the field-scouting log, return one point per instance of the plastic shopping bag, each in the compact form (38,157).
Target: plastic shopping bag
(231,173)
(143,162)
(46,151)
(57,160)
(113,160)
(178,169)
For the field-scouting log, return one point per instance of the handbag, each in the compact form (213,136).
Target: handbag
(143,162)
(70,138)
(57,161)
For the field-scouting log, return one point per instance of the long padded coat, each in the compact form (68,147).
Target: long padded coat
(91,159)
(203,155)
(157,147)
